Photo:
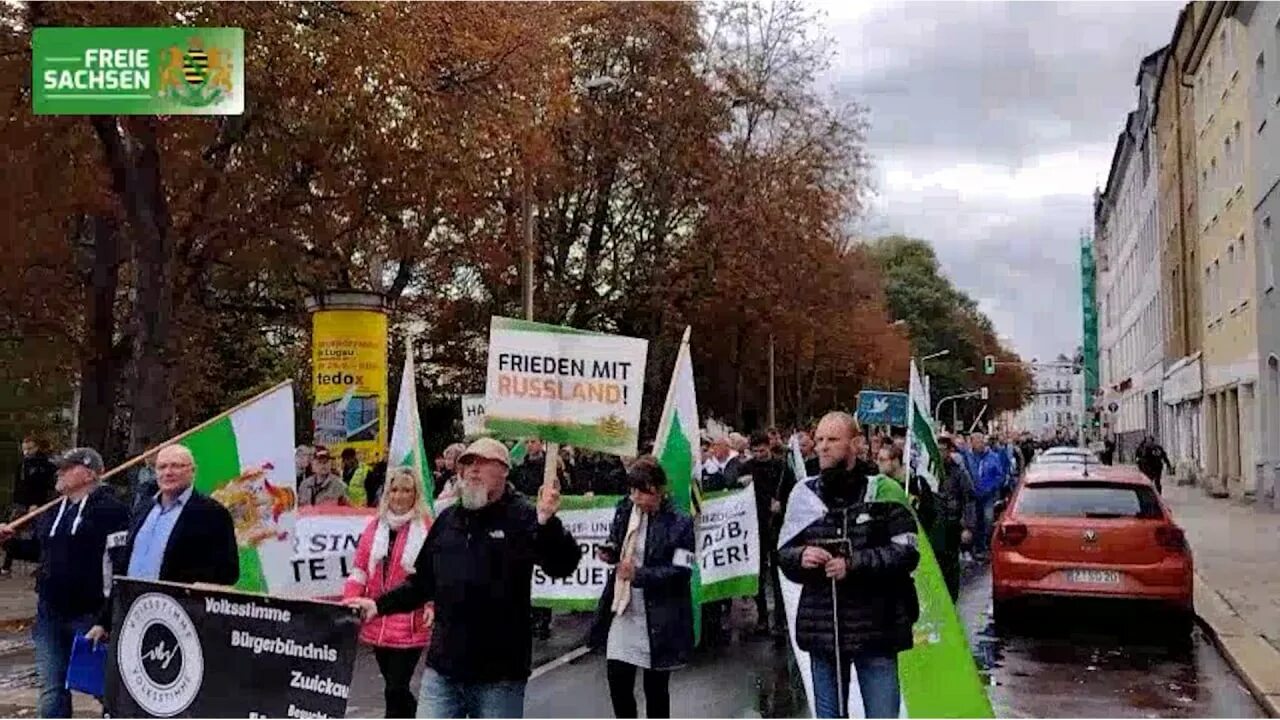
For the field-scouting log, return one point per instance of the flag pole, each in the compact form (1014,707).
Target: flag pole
(418,460)
(148,453)
(835,623)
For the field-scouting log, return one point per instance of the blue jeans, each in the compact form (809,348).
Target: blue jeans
(877,682)
(441,697)
(985,523)
(52,635)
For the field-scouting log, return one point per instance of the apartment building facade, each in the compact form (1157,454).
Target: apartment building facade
(1220,68)
(1262,30)
(1178,229)
(1130,309)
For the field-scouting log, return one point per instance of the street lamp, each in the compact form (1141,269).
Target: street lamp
(928,389)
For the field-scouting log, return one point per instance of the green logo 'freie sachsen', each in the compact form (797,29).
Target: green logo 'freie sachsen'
(138,71)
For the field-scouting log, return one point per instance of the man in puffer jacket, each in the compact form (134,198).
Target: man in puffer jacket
(854,561)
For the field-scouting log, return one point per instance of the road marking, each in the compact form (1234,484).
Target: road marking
(564,659)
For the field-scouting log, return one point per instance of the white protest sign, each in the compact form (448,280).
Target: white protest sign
(472,415)
(564,385)
(587,520)
(729,545)
(728,548)
(325,550)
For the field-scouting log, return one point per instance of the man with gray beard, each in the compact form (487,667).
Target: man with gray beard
(476,565)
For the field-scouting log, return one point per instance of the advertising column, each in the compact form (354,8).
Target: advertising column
(349,373)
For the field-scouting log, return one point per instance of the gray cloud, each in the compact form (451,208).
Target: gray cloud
(1000,86)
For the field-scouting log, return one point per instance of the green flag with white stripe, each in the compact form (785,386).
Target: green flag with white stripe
(676,448)
(407,449)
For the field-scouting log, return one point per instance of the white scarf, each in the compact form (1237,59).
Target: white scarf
(412,545)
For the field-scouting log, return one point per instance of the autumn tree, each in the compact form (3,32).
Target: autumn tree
(940,317)
(675,162)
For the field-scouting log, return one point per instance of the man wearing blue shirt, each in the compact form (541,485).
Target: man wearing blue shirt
(153,536)
(989,470)
(180,535)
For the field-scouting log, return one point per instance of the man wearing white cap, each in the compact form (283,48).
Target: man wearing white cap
(476,566)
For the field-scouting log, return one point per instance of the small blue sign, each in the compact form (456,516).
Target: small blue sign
(882,408)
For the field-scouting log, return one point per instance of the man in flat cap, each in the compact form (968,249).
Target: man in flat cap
(476,566)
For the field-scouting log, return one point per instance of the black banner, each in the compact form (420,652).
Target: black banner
(181,651)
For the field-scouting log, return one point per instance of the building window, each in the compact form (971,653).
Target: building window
(1207,299)
(1233,276)
(1259,73)
(1217,289)
(1267,255)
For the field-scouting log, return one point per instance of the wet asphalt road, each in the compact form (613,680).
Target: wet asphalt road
(1098,661)
(1066,663)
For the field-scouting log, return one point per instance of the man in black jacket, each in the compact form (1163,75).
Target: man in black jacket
(179,535)
(476,566)
(1153,460)
(765,471)
(957,507)
(854,560)
(82,544)
(32,488)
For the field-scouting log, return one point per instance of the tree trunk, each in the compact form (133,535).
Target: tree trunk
(99,367)
(134,161)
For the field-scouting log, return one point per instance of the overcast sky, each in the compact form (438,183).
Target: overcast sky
(991,123)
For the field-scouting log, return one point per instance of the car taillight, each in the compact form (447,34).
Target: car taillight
(1013,534)
(1171,537)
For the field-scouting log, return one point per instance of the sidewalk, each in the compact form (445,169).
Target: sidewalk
(18,597)
(1237,558)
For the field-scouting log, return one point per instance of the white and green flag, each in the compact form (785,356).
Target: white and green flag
(244,460)
(406,447)
(923,455)
(677,450)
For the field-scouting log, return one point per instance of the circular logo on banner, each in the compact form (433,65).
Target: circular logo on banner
(160,658)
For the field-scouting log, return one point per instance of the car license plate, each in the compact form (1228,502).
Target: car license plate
(1094,577)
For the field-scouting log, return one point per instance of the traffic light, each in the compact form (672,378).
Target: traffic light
(989,365)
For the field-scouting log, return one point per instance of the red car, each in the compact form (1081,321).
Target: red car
(1090,531)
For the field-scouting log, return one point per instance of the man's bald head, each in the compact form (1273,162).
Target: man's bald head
(835,440)
(175,470)
(843,420)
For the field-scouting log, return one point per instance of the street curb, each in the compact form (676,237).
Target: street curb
(1248,653)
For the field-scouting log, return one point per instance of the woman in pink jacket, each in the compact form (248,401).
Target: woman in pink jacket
(385,556)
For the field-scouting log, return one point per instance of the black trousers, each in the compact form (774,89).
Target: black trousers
(622,690)
(948,556)
(769,580)
(396,666)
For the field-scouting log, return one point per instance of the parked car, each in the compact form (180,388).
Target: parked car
(1090,531)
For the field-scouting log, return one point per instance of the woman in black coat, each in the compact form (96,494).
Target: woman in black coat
(645,616)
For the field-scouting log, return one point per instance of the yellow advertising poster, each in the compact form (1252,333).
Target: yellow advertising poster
(349,381)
